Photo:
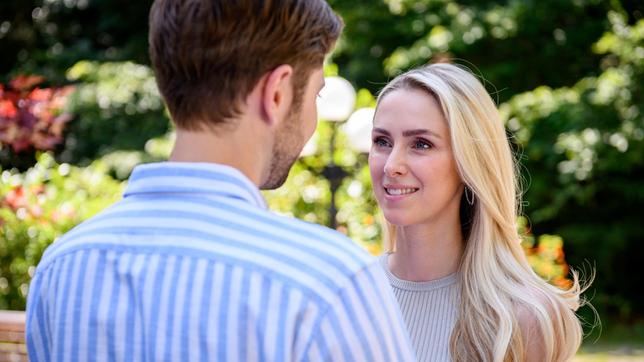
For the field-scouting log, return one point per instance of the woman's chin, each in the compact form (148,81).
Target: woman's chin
(398,220)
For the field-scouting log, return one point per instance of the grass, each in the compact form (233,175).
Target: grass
(613,343)
(611,353)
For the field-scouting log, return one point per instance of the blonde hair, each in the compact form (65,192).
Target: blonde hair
(497,285)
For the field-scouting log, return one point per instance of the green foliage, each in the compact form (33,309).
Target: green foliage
(121,163)
(37,207)
(117,107)
(583,150)
(48,37)
(517,45)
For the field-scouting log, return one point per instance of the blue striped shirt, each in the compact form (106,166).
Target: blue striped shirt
(191,266)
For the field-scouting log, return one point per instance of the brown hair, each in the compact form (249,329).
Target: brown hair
(208,55)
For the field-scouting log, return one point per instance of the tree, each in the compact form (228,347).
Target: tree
(583,156)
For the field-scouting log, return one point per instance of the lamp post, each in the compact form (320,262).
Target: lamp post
(335,104)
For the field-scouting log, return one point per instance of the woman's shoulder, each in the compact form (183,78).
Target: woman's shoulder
(544,319)
(534,305)
(529,314)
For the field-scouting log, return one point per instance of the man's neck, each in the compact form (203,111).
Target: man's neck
(240,148)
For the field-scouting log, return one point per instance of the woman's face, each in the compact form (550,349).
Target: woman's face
(415,178)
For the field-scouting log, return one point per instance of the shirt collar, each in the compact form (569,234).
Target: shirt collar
(193,178)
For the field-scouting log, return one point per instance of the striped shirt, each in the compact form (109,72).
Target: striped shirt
(191,266)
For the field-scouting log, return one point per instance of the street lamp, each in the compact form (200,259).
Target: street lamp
(335,104)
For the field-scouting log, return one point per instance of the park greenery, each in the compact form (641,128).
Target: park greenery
(567,75)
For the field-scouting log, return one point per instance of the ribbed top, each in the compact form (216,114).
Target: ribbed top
(430,311)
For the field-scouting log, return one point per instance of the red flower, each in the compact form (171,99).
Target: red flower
(7,109)
(31,118)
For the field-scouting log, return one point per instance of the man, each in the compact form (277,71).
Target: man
(190,265)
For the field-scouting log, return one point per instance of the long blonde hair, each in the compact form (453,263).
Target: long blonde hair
(497,283)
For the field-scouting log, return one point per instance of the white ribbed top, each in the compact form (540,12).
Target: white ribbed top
(429,309)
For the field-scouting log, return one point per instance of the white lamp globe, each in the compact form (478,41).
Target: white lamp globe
(336,100)
(358,129)
(311,147)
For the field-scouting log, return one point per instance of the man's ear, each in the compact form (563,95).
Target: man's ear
(277,94)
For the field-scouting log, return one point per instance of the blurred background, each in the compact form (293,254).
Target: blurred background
(79,108)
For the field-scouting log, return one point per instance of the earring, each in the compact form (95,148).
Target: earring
(470,199)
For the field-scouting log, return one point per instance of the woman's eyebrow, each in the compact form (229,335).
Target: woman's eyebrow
(381,130)
(408,133)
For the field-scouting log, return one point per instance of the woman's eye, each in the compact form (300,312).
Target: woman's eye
(380,142)
(422,145)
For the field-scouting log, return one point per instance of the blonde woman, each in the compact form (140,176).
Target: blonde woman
(445,179)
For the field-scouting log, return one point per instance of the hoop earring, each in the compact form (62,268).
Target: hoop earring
(470,199)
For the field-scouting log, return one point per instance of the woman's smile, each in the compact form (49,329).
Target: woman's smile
(412,161)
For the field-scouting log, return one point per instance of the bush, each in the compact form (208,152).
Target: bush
(117,107)
(114,107)
(583,149)
(37,207)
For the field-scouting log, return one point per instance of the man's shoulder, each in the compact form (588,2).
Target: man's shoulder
(322,239)
(72,239)
(232,233)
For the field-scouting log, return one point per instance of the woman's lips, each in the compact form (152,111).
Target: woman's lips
(398,192)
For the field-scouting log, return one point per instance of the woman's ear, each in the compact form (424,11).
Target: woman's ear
(277,94)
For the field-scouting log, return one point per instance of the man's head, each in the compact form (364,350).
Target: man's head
(208,55)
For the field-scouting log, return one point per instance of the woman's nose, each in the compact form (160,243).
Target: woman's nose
(396,164)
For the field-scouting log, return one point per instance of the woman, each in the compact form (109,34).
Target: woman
(445,179)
